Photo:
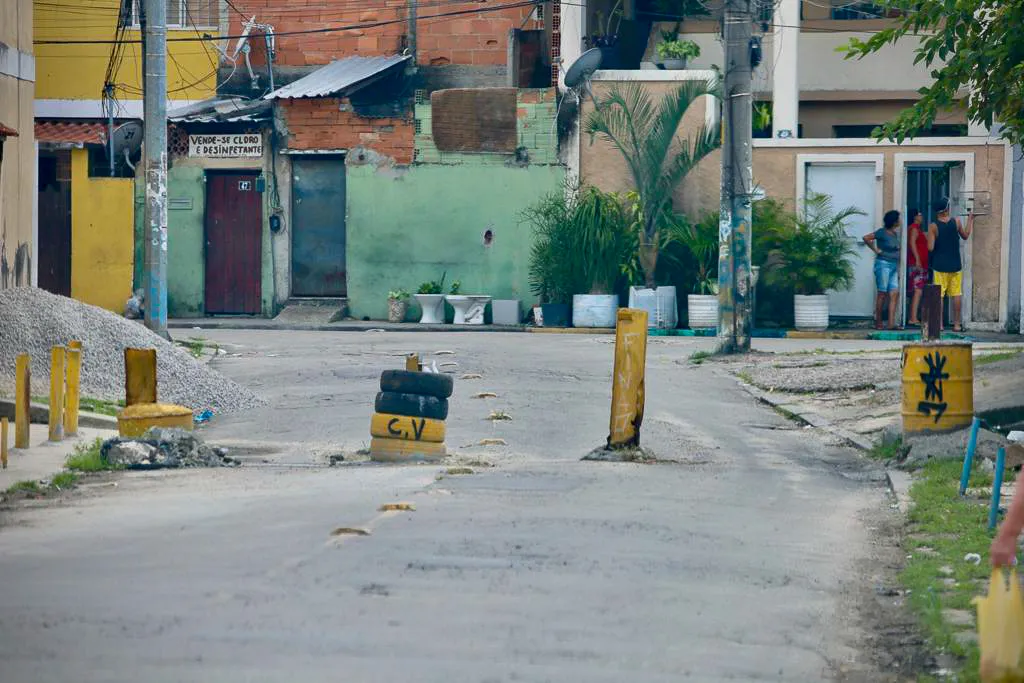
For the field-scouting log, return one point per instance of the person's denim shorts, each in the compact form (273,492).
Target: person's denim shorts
(887,275)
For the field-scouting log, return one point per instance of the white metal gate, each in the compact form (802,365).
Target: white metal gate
(850,184)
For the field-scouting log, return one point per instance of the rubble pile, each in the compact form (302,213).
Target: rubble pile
(162,448)
(33,321)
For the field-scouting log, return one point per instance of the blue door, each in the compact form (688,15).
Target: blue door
(318,226)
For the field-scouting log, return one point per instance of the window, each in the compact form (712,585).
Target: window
(844,9)
(180,13)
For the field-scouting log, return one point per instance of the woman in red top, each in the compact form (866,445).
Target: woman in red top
(917,240)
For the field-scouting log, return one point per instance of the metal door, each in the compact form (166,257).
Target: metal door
(318,226)
(234,220)
(55,224)
(851,184)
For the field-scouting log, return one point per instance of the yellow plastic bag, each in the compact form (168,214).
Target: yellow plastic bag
(1001,629)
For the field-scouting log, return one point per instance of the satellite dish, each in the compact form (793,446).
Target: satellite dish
(127,139)
(583,68)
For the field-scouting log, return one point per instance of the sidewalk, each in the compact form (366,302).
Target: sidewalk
(252,323)
(42,459)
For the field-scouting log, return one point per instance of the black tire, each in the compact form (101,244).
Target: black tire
(412,405)
(422,383)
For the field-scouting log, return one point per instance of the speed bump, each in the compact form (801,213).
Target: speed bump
(407,428)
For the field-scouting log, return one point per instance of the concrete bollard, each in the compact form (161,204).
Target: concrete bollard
(22,400)
(931,313)
(412,362)
(3,442)
(57,357)
(73,388)
(628,378)
(139,376)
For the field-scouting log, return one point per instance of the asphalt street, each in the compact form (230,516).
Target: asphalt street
(743,555)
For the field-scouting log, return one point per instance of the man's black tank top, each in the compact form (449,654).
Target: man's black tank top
(945,257)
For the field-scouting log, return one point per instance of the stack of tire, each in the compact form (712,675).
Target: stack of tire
(409,413)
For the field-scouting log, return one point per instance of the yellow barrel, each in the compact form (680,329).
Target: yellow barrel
(408,428)
(938,387)
(400,450)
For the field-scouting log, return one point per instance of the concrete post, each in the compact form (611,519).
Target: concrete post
(139,376)
(628,378)
(22,400)
(3,442)
(71,399)
(57,355)
(786,70)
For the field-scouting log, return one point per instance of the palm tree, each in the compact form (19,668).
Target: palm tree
(657,157)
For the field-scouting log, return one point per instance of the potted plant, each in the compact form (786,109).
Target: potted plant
(603,241)
(553,278)
(430,296)
(468,308)
(607,40)
(812,256)
(675,52)
(702,242)
(398,305)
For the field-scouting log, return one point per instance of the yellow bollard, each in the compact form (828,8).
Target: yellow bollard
(71,399)
(938,387)
(139,376)
(22,400)
(3,442)
(628,378)
(57,393)
(412,362)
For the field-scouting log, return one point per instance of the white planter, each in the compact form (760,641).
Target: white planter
(594,310)
(702,311)
(810,312)
(433,308)
(505,311)
(469,308)
(659,303)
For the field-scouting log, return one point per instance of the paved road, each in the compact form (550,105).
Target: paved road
(742,559)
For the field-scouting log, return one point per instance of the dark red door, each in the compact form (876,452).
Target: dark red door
(234,225)
(55,223)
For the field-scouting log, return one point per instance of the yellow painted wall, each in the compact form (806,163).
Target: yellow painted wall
(18,170)
(77,71)
(102,236)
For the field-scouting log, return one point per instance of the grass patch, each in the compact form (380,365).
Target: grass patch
(745,376)
(64,480)
(87,458)
(89,404)
(889,451)
(944,528)
(698,357)
(24,486)
(996,357)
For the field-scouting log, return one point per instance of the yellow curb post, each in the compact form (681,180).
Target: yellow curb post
(72,398)
(139,376)
(628,378)
(22,400)
(412,362)
(3,442)
(57,357)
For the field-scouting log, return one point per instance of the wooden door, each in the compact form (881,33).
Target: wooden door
(234,220)
(318,227)
(55,223)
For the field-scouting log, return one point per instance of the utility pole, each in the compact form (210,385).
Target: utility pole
(154,108)
(734,291)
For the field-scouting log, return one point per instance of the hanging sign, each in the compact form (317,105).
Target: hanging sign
(226,146)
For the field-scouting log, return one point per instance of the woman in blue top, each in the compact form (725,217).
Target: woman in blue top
(885,242)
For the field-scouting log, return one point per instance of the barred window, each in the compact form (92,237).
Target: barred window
(180,13)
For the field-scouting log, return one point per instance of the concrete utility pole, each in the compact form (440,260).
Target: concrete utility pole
(154,107)
(734,291)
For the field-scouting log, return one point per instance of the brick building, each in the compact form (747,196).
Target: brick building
(389,144)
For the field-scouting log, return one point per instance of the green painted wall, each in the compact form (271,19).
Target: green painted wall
(408,228)
(186,264)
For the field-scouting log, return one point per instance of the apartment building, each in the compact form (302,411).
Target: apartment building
(817,110)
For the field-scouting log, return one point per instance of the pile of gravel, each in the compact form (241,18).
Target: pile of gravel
(33,321)
(817,374)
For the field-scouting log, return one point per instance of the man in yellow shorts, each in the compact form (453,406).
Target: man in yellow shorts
(944,237)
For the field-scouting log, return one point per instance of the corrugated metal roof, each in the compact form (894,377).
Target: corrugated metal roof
(221,110)
(72,132)
(338,77)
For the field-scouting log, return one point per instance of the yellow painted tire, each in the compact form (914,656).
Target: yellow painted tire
(405,428)
(134,420)
(398,450)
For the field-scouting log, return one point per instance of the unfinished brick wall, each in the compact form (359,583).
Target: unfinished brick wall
(319,123)
(479,39)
